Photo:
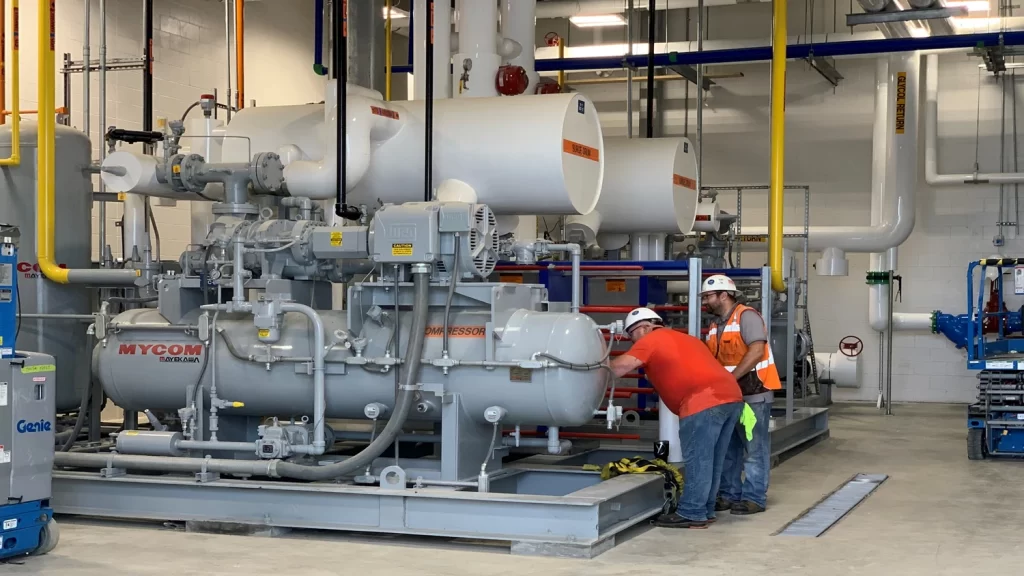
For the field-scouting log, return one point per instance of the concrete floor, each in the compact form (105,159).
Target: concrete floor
(933,516)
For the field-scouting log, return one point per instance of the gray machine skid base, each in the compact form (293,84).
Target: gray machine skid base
(551,511)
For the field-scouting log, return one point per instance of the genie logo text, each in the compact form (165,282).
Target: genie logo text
(26,427)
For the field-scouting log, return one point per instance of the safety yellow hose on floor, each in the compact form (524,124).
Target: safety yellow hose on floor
(15,158)
(45,168)
(778,143)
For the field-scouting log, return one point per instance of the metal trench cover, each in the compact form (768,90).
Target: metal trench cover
(832,508)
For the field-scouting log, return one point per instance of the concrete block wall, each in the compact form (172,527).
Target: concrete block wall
(189,60)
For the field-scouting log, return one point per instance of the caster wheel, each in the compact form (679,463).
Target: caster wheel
(975,444)
(48,538)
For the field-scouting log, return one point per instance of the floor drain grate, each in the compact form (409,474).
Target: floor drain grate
(831,509)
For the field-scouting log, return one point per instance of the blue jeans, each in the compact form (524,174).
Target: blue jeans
(752,459)
(704,438)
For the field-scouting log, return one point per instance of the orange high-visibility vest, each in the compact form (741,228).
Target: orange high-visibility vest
(728,346)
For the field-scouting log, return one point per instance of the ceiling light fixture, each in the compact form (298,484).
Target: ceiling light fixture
(595,20)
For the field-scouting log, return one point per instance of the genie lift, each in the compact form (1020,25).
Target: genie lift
(27,390)
(994,338)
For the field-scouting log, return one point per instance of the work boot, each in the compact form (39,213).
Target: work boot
(721,504)
(677,521)
(746,508)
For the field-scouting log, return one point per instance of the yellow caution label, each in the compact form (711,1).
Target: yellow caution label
(131,433)
(264,333)
(176,169)
(403,249)
(617,285)
(38,369)
(901,101)
(336,239)
(747,238)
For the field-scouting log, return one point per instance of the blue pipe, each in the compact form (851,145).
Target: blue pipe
(955,328)
(764,53)
(318,38)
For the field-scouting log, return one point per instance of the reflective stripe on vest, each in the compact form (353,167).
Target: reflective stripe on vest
(730,349)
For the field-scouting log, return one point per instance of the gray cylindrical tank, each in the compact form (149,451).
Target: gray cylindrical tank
(66,341)
(152,368)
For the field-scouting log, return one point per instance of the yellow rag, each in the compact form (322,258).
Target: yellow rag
(748,420)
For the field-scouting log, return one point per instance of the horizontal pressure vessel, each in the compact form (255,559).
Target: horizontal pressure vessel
(153,368)
(649,187)
(536,155)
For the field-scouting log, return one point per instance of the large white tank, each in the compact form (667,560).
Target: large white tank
(538,155)
(152,368)
(65,340)
(649,187)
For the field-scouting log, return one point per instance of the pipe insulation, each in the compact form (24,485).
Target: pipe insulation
(569,8)
(897,216)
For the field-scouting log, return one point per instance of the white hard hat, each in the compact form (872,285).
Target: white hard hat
(717,283)
(639,315)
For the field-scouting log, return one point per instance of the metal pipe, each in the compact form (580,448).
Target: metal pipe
(240,52)
(103,128)
(699,148)
(216,446)
(428,125)
(778,144)
(147,70)
(318,39)
(87,61)
(403,404)
(156,234)
(227,47)
(629,70)
(86,317)
(627,309)
(575,252)
(388,32)
(408,438)
(561,447)
(651,31)
(15,158)
(319,403)
(3,61)
(238,273)
(164,463)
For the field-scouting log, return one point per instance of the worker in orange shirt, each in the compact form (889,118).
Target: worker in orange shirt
(738,338)
(695,387)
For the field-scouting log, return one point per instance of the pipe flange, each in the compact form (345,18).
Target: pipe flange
(267,173)
(223,208)
(184,169)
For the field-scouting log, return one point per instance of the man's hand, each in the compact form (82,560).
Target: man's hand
(755,352)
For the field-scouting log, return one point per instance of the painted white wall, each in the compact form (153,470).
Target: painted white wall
(189,60)
(829,148)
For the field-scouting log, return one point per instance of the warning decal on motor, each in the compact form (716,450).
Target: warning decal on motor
(403,249)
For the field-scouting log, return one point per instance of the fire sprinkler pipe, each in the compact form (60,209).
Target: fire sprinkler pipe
(46,168)
(931,121)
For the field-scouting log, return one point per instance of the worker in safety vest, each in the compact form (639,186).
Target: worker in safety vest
(738,338)
(695,387)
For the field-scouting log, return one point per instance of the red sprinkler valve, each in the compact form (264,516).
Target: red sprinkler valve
(547,87)
(512,80)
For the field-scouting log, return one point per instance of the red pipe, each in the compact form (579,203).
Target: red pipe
(631,391)
(535,267)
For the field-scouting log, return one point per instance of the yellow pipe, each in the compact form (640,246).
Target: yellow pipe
(3,59)
(45,204)
(387,52)
(778,144)
(15,157)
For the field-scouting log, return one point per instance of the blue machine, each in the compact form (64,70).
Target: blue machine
(27,390)
(995,422)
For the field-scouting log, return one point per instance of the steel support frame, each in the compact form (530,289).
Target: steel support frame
(560,512)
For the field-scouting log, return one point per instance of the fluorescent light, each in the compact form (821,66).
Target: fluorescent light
(971,5)
(396,13)
(978,23)
(596,20)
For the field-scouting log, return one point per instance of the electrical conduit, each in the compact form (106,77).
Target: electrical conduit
(46,170)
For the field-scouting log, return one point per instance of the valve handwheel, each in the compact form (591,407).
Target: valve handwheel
(551,38)
(851,346)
